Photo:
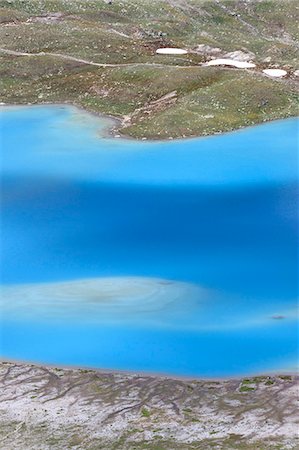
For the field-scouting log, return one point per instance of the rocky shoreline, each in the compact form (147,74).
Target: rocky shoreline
(53,408)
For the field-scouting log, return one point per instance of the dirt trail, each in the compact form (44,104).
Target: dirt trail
(134,64)
(84,61)
(127,119)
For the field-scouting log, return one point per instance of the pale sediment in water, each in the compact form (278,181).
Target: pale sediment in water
(121,300)
(179,248)
(101,299)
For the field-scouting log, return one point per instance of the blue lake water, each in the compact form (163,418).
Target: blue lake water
(172,257)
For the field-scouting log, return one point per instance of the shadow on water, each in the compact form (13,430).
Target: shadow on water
(226,253)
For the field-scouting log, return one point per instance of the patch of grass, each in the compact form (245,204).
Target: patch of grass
(246,389)
(236,100)
(285,377)
(9,15)
(187,410)
(247,381)
(269,382)
(145,412)
(208,100)
(75,440)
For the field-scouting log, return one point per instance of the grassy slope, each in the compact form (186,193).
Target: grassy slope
(208,100)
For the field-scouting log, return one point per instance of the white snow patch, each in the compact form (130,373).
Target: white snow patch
(231,62)
(171,51)
(276,73)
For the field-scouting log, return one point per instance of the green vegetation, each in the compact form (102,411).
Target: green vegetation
(285,377)
(145,412)
(246,389)
(248,385)
(199,100)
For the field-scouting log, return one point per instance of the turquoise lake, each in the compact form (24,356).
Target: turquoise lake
(177,257)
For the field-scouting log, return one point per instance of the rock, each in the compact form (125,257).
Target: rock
(207,50)
(47,18)
(239,55)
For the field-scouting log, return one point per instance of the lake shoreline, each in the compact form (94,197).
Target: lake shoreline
(115,132)
(216,331)
(56,408)
(156,375)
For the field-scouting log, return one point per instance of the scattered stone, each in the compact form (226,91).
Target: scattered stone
(47,19)
(207,50)
(150,34)
(45,407)
(239,55)
(150,108)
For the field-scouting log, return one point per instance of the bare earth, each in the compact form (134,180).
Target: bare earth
(50,408)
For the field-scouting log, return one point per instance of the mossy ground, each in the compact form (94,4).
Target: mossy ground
(206,100)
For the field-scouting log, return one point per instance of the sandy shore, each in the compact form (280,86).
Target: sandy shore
(52,408)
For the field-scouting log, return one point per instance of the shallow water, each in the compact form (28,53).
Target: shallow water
(177,257)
